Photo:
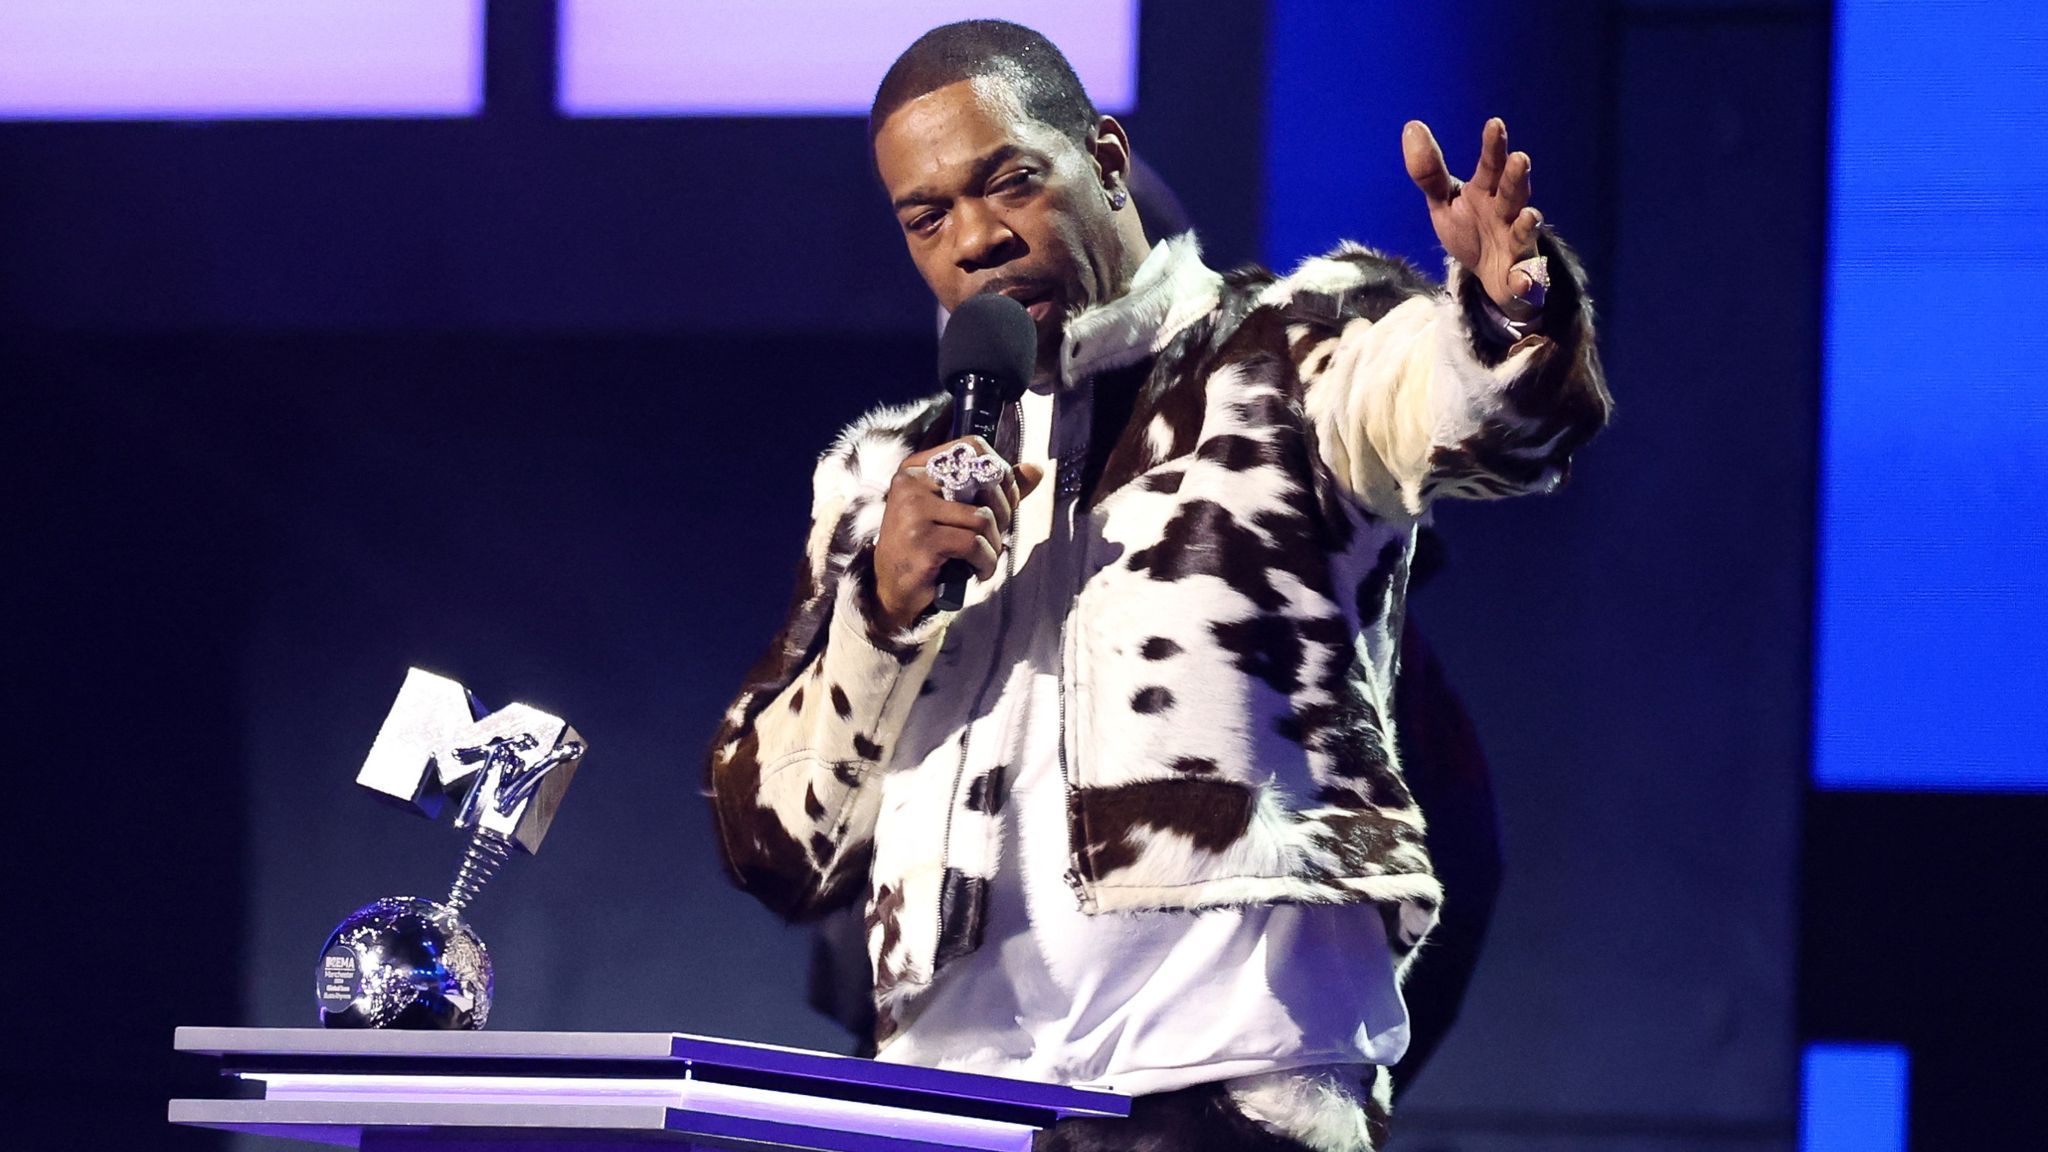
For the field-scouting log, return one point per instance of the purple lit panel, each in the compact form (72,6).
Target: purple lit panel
(802,57)
(239,59)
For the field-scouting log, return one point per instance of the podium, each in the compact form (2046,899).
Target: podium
(585,1091)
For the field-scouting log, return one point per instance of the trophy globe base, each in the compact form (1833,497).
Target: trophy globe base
(404,962)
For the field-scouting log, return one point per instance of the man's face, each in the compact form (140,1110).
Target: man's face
(991,200)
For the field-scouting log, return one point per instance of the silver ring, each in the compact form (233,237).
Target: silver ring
(961,471)
(1537,269)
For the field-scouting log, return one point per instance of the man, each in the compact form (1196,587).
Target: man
(1133,816)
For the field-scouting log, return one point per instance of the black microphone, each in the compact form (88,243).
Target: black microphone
(985,359)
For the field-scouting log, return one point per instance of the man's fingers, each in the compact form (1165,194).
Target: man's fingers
(1527,221)
(951,543)
(1519,284)
(1027,477)
(970,518)
(984,558)
(1514,185)
(999,500)
(915,477)
(1426,163)
(996,498)
(1012,495)
(1493,156)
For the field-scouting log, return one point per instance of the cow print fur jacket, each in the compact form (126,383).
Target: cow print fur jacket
(1229,650)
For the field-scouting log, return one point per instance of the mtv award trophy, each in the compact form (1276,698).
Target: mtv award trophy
(410,962)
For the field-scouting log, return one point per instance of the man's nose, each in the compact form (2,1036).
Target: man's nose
(985,241)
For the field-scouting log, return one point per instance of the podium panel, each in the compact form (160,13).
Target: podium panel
(571,1091)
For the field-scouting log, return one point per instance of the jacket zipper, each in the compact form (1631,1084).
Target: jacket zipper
(1073,875)
(980,696)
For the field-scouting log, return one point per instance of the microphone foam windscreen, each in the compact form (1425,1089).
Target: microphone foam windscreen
(990,336)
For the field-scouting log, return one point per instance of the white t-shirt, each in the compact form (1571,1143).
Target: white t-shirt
(1140,1002)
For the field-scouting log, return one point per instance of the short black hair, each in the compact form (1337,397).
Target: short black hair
(1043,80)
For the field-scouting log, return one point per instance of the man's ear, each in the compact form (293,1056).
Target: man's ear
(1111,150)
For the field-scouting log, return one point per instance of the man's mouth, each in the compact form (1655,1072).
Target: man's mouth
(1039,300)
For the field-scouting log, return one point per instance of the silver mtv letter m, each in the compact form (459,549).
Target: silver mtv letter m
(516,762)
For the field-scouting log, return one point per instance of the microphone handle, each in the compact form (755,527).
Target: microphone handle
(977,408)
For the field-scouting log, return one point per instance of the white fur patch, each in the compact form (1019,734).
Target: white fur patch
(1324,1107)
(1322,274)
(1171,290)
(1159,437)
(864,458)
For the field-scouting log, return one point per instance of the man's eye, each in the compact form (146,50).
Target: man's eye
(1020,180)
(924,223)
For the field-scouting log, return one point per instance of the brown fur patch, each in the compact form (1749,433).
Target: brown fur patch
(1213,814)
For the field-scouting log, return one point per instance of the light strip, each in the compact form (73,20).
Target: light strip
(1931,577)
(803,57)
(690,1095)
(1853,1098)
(239,59)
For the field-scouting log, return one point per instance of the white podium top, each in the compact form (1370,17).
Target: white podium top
(482,1090)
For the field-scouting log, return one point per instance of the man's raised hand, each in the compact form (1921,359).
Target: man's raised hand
(1485,223)
(921,530)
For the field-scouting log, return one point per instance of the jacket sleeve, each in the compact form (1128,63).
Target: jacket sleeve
(793,771)
(1417,392)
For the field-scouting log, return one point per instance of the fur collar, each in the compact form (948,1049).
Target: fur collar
(1171,290)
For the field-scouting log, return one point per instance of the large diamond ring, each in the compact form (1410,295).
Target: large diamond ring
(1537,269)
(961,471)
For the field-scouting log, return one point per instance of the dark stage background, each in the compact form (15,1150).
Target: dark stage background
(532,401)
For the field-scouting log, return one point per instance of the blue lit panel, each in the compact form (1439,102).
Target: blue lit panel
(1853,1098)
(1931,669)
(230,59)
(1333,124)
(803,57)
